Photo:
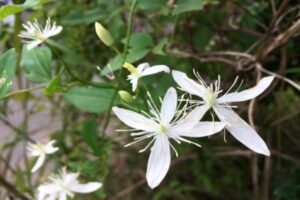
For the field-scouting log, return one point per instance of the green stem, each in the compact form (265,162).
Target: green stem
(66,67)
(22,91)
(128,32)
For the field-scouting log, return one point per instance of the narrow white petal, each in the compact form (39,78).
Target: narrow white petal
(142,67)
(134,120)
(33,44)
(85,188)
(51,150)
(242,131)
(248,94)
(38,163)
(156,69)
(134,83)
(203,129)
(188,85)
(190,121)
(63,196)
(54,32)
(159,161)
(168,106)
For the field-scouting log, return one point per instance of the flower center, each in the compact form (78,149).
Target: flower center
(211,97)
(40,148)
(163,128)
(38,36)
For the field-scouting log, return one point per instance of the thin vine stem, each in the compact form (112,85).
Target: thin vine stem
(128,32)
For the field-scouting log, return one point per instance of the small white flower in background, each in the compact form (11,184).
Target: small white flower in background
(64,185)
(35,34)
(40,150)
(142,70)
(162,125)
(242,131)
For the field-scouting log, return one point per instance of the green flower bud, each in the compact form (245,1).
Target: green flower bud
(103,34)
(125,96)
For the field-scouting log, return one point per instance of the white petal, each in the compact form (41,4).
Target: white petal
(85,188)
(70,178)
(188,85)
(53,32)
(134,120)
(134,82)
(63,196)
(38,163)
(156,69)
(33,44)
(159,161)
(190,121)
(203,129)
(242,131)
(248,94)
(50,148)
(168,106)
(142,67)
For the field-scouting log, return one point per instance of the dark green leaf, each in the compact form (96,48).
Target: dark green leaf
(8,65)
(159,49)
(37,64)
(187,5)
(16,8)
(90,99)
(85,17)
(89,134)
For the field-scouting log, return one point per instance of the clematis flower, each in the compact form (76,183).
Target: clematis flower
(241,130)
(40,150)
(64,185)
(142,70)
(163,125)
(35,34)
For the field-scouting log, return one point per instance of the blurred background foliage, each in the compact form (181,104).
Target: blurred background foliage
(209,36)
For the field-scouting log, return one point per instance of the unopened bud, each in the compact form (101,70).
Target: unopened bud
(125,96)
(103,34)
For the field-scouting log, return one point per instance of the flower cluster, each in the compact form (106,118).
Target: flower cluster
(173,122)
(176,120)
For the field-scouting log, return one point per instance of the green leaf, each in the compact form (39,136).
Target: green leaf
(187,5)
(113,65)
(85,17)
(136,54)
(37,64)
(202,36)
(89,134)
(140,40)
(90,99)
(16,8)
(152,5)
(159,49)
(8,65)
(53,87)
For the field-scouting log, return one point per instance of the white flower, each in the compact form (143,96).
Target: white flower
(35,34)
(40,150)
(143,69)
(162,125)
(242,131)
(63,185)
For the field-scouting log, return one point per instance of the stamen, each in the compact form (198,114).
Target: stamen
(232,85)
(239,85)
(190,142)
(147,146)
(225,136)
(176,153)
